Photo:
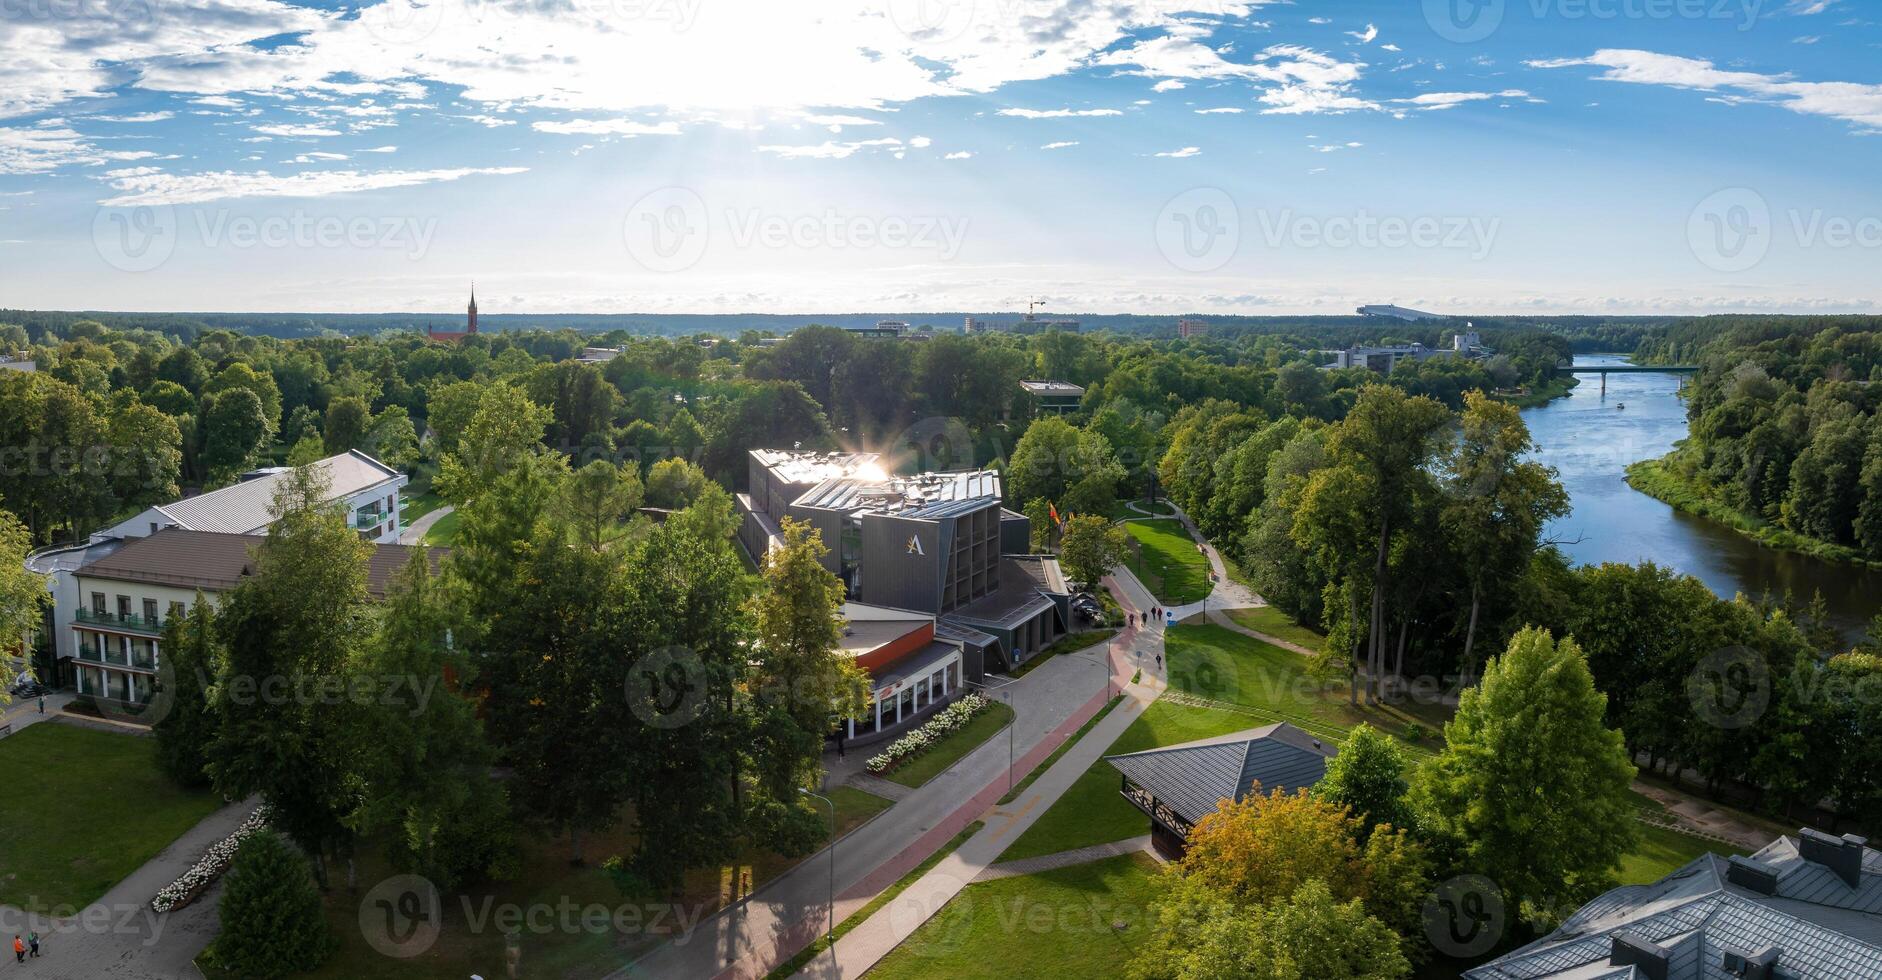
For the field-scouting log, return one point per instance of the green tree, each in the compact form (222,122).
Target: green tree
(147,455)
(1531,785)
(188,728)
(426,764)
(1041,529)
(1091,547)
(505,432)
(596,500)
(294,626)
(1369,778)
(345,427)
(240,375)
(391,439)
(1056,461)
(271,920)
(23,595)
(804,684)
(234,432)
(1497,503)
(675,483)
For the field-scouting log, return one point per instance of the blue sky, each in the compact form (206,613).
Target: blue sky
(1549,156)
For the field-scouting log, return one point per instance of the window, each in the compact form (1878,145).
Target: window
(124,606)
(98,603)
(150,610)
(153,527)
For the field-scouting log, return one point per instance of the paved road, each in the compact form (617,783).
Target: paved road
(790,911)
(416,533)
(864,946)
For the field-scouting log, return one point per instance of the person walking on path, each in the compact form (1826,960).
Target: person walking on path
(19,949)
(32,943)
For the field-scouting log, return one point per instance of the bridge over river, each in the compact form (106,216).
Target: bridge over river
(1606,369)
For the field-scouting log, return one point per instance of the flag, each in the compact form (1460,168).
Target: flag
(1054,511)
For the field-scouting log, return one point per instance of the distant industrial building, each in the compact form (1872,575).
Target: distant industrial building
(1384,359)
(1053,397)
(973,325)
(881,330)
(936,544)
(1399,313)
(1802,908)
(1192,328)
(21,361)
(599,355)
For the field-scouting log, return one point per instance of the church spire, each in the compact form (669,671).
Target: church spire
(472,327)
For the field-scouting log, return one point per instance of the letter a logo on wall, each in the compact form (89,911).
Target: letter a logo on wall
(914,545)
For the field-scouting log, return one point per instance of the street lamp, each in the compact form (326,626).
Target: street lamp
(830,934)
(1011,724)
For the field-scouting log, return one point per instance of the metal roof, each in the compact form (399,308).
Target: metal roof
(1820,925)
(1052,387)
(928,496)
(217,562)
(798,466)
(1192,778)
(248,507)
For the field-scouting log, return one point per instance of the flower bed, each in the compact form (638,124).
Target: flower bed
(952,718)
(209,867)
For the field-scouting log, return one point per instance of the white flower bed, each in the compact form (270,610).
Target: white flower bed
(216,860)
(951,719)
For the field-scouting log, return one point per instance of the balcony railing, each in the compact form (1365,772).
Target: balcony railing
(130,622)
(367,520)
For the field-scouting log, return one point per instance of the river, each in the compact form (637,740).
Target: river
(1590,439)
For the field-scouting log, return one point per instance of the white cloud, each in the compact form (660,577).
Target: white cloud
(1060,145)
(606,127)
(1335,147)
(381,149)
(1390,47)
(490,121)
(1852,102)
(837,122)
(1366,36)
(1058,113)
(141,117)
(1223,111)
(920,142)
(1167,85)
(289,129)
(959,155)
(1187,151)
(830,149)
(1807,8)
(1294,79)
(1432,101)
(147,187)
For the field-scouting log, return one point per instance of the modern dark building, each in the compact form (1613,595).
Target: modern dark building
(1052,397)
(1807,907)
(1178,785)
(939,544)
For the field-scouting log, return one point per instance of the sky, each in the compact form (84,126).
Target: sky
(1253,157)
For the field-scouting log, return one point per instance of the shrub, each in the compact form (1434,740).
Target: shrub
(272,923)
(951,719)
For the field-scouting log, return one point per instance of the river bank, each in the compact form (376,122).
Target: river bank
(1656,479)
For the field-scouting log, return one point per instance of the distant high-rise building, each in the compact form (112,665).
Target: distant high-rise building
(974,325)
(1191,328)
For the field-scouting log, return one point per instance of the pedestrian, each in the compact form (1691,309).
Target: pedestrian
(42,704)
(19,949)
(1159,661)
(839,745)
(32,943)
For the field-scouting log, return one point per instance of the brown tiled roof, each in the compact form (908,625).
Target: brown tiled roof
(218,562)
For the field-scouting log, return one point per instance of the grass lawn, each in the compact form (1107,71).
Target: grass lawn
(1069,643)
(418,505)
(1165,559)
(1272,621)
(1059,923)
(790,967)
(444,532)
(930,764)
(83,809)
(1662,850)
(1040,769)
(1220,664)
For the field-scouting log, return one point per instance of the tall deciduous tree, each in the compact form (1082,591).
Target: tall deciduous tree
(1498,503)
(234,433)
(804,684)
(191,665)
(1532,785)
(1059,462)
(291,633)
(23,595)
(1091,547)
(1369,777)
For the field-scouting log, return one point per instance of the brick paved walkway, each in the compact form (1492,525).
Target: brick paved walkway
(1064,859)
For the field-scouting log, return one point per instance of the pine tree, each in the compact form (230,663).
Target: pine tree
(272,923)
